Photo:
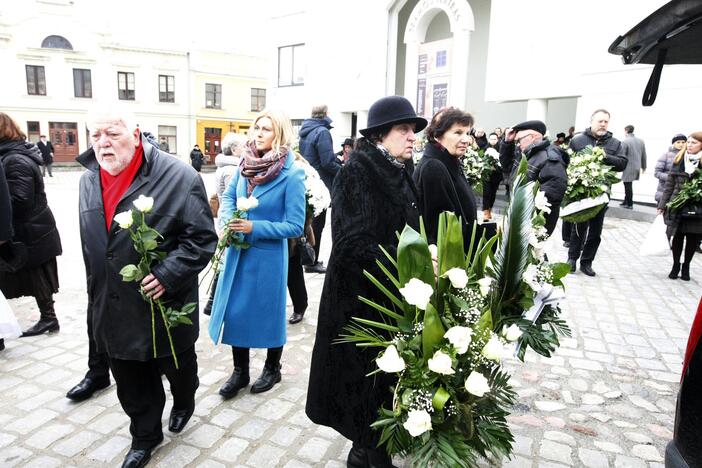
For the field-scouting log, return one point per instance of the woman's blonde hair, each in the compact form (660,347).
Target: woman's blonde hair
(282,127)
(681,154)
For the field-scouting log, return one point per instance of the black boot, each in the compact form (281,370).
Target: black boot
(587,268)
(674,272)
(685,275)
(208,307)
(240,376)
(48,323)
(572,263)
(2,344)
(271,372)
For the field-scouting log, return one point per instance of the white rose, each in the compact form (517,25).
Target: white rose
(541,202)
(418,293)
(434,251)
(484,284)
(390,361)
(493,349)
(441,363)
(124,219)
(143,204)
(459,337)
(246,204)
(512,333)
(493,153)
(477,384)
(418,422)
(529,277)
(458,277)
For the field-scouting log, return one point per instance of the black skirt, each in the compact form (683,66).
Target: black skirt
(40,281)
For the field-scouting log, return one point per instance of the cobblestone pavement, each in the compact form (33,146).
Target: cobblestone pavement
(607,398)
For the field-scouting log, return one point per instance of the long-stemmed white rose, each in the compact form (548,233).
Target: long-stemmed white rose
(418,422)
(484,285)
(458,277)
(459,337)
(417,293)
(441,363)
(124,219)
(512,333)
(391,361)
(477,384)
(143,204)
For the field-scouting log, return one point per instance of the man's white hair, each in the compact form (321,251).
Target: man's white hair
(117,114)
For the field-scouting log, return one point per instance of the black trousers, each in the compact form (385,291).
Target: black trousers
(318,223)
(629,193)
(98,363)
(296,282)
(566,231)
(585,239)
(490,189)
(552,218)
(140,392)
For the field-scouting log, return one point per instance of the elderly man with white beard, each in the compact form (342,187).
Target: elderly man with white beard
(122,166)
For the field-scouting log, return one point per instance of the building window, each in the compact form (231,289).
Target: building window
(421,96)
(167,138)
(258,99)
(82,86)
(422,64)
(440,97)
(125,86)
(33,132)
(36,80)
(56,42)
(440,58)
(291,65)
(213,96)
(166,88)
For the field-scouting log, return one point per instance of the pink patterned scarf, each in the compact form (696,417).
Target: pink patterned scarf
(259,170)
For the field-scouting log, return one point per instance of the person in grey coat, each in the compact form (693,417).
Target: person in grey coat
(635,151)
(665,163)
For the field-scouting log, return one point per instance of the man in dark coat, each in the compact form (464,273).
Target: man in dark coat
(546,163)
(122,165)
(47,154)
(317,148)
(196,158)
(586,236)
(635,151)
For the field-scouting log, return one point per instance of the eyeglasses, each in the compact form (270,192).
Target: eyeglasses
(518,140)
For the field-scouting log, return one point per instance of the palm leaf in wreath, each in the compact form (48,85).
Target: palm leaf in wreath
(513,255)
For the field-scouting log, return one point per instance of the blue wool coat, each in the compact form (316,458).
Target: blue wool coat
(249,304)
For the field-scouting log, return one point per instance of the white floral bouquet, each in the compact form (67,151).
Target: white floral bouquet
(473,165)
(589,185)
(445,332)
(316,193)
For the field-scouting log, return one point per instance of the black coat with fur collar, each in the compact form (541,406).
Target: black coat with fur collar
(372,200)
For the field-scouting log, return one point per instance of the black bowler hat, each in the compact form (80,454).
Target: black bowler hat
(348,141)
(536,125)
(392,110)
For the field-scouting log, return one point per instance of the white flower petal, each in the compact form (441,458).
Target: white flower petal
(459,337)
(458,277)
(476,384)
(124,219)
(143,204)
(417,293)
(441,364)
(391,361)
(418,422)
(493,349)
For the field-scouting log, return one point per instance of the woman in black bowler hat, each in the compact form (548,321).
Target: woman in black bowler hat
(373,198)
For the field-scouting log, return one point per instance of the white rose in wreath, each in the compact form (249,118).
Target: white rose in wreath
(441,363)
(418,422)
(417,293)
(477,384)
(391,361)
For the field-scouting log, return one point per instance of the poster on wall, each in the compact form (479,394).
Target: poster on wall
(433,77)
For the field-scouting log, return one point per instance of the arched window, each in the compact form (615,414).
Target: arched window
(56,42)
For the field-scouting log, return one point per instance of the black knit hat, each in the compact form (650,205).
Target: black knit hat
(679,137)
(348,141)
(392,110)
(536,125)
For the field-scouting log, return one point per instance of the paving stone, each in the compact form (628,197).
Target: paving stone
(647,452)
(593,458)
(579,385)
(253,429)
(14,456)
(314,449)
(181,455)
(549,406)
(226,417)
(522,445)
(31,421)
(285,435)
(592,399)
(555,451)
(110,449)
(48,435)
(75,444)
(642,403)
(601,417)
(43,462)
(628,462)
(561,437)
(204,436)
(608,446)
(109,422)
(266,455)
(515,462)
(231,449)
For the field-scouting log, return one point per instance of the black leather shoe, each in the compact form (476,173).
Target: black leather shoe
(296,317)
(236,382)
(572,263)
(86,388)
(42,326)
(628,207)
(269,377)
(137,458)
(318,267)
(357,458)
(179,418)
(685,275)
(587,269)
(674,271)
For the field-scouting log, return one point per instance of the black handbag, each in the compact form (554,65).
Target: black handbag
(691,210)
(307,255)
(13,256)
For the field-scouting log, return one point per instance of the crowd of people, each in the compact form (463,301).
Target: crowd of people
(376,189)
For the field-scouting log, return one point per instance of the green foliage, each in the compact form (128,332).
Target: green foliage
(433,331)
(584,215)
(413,258)
(690,192)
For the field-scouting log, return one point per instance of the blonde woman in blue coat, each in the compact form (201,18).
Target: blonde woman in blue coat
(249,305)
